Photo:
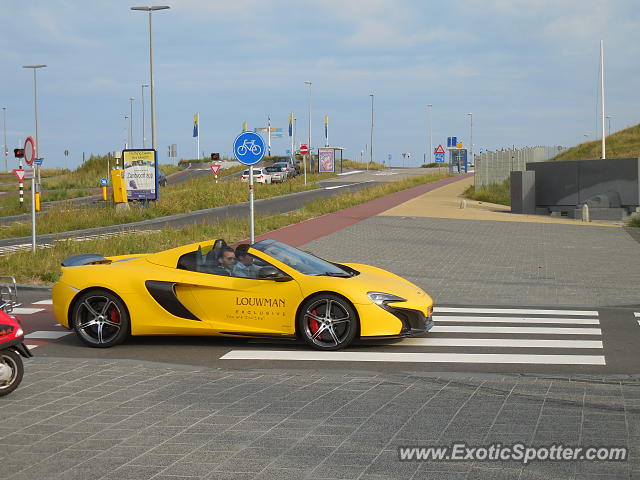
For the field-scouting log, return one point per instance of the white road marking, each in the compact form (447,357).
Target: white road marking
(47,334)
(337,186)
(44,302)
(636,314)
(26,311)
(31,347)
(527,330)
(350,173)
(517,311)
(471,319)
(491,342)
(342,356)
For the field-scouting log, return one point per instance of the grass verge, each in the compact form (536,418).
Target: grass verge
(496,193)
(201,193)
(634,221)
(43,267)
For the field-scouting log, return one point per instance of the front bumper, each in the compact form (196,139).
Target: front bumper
(414,322)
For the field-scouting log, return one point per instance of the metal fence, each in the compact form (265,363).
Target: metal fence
(495,167)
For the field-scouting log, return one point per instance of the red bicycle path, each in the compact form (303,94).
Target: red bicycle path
(300,233)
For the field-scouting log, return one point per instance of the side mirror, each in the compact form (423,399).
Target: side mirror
(272,273)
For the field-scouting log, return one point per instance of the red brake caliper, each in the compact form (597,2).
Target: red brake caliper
(114,316)
(313,323)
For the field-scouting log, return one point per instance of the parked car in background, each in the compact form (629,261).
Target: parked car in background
(278,174)
(260,175)
(288,167)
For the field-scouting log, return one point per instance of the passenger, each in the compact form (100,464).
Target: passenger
(227,261)
(244,266)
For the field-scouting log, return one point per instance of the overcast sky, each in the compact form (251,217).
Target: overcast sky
(527,69)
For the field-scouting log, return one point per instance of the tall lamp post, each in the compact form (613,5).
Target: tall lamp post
(153,107)
(131,99)
(126,129)
(308,82)
(429,107)
(371,149)
(607,117)
(6,149)
(35,95)
(144,138)
(471,144)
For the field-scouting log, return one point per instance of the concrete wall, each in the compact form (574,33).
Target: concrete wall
(495,167)
(569,184)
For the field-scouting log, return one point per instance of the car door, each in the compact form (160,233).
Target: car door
(237,305)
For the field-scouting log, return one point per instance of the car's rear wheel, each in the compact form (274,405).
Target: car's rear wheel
(327,322)
(100,319)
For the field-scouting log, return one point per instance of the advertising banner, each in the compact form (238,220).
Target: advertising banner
(326,160)
(141,174)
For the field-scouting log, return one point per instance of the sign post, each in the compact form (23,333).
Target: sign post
(29,156)
(248,148)
(215,168)
(304,150)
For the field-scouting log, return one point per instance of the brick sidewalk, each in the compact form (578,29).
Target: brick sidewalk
(90,419)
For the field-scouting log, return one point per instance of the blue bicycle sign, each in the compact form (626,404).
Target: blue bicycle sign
(248,148)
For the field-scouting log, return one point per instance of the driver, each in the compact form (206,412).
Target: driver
(227,261)
(245,267)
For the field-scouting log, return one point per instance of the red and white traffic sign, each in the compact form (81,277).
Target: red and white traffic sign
(304,149)
(29,150)
(19,174)
(215,168)
(440,149)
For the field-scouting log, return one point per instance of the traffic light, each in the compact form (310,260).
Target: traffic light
(18,152)
(215,156)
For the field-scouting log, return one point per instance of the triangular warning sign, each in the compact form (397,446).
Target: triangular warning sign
(19,174)
(440,149)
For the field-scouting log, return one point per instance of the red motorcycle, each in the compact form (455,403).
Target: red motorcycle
(12,348)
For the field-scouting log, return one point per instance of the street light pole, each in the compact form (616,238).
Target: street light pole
(308,82)
(429,107)
(371,149)
(607,117)
(153,107)
(471,145)
(6,149)
(131,99)
(144,138)
(126,128)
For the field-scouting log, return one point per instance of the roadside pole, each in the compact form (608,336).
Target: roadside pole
(33,209)
(249,149)
(252,232)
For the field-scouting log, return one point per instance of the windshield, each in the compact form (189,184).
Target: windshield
(303,262)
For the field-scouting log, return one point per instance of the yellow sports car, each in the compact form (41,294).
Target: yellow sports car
(268,289)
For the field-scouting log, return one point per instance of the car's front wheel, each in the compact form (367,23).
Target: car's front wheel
(100,319)
(327,322)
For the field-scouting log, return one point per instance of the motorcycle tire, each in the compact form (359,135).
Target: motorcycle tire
(12,360)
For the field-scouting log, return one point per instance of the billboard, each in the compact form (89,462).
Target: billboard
(141,174)
(326,160)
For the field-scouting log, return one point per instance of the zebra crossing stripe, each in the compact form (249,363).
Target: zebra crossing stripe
(26,311)
(43,302)
(527,330)
(491,342)
(636,314)
(414,357)
(474,319)
(515,311)
(47,334)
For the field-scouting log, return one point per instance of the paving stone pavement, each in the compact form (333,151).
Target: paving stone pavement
(91,419)
(491,262)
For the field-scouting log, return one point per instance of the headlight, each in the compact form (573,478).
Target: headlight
(381,299)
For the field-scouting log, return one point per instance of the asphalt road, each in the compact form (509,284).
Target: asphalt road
(348,182)
(482,338)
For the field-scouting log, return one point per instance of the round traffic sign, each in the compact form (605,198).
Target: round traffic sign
(304,149)
(29,150)
(104,182)
(248,148)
